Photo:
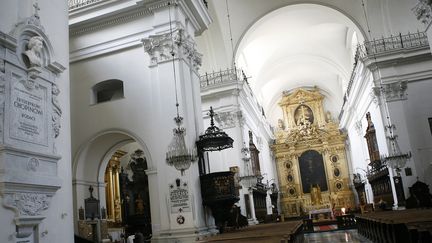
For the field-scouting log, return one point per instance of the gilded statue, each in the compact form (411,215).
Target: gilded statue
(316,198)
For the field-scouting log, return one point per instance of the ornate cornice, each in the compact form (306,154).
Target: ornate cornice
(423,11)
(160,47)
(300,96)
(93,26)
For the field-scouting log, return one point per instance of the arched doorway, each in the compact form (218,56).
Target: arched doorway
(115,165)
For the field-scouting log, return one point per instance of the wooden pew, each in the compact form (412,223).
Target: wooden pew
(404,226)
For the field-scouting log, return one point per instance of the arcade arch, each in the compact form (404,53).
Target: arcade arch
(91,163)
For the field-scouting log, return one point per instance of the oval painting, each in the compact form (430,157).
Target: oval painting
(336,172)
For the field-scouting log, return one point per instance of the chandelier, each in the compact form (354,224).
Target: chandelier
(178,155)
(395,159)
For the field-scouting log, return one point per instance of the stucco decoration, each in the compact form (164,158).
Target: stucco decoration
(34,113)
(30,122)
(359,128)
(227,119)
(159,47)
(395,91)
(423,11)
(27,204)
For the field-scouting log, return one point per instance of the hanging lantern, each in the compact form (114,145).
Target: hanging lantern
(178,155)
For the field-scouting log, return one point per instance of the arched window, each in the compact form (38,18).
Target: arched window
(107,90)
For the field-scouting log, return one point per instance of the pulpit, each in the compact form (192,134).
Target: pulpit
(219,193)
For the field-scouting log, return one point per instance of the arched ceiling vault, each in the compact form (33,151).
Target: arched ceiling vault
(301,45)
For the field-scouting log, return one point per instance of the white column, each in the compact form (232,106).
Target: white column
(253,220)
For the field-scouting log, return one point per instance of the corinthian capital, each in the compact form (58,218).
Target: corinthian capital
(160,48)
(423,11)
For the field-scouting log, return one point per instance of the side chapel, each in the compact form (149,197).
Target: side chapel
(310,156)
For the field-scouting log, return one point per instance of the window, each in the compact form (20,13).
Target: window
(107,90)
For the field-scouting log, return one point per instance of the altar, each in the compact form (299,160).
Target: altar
(310,153)
(326,212)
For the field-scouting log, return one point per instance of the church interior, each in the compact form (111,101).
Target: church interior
(215,121)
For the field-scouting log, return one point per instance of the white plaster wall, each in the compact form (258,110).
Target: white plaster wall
(145,114)
(416,111)
(59,216)
(419,109)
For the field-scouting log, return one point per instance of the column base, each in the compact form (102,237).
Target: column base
(253,221)
(183,235)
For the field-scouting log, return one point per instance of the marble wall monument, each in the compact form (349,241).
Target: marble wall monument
(29,124)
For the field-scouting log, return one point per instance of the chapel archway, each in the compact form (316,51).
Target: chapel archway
(113,165)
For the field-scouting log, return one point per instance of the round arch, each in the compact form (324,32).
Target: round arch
(258,18)
(91,159)
(307,43)
(116,137)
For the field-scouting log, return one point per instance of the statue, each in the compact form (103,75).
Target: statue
(139,205)
(34,49)
(316,195)
(328,117)
(281,125)
(117,210)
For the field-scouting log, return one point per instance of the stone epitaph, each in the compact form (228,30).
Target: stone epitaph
(29,124)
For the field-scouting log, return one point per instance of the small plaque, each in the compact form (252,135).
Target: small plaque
(29,119)
(408,171)
(179,197)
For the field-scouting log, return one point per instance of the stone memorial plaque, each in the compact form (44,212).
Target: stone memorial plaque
(29,118)
(179,197)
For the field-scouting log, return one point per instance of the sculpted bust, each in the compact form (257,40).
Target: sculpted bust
(34,49)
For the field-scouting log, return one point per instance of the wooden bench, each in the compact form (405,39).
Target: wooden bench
(396,226)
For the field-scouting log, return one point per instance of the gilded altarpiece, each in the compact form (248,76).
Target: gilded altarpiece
(310,156)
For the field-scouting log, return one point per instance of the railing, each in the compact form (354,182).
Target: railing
(223,76)
(73,4)
(370,49)
(394,43)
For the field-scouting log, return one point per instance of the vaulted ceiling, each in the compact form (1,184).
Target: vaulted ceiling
(298,45)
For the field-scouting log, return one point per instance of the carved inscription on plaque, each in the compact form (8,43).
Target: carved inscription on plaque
(179,197)
(29,113)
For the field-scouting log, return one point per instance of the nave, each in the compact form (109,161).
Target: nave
(350,236)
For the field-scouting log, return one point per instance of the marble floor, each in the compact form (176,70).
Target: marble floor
(350,236)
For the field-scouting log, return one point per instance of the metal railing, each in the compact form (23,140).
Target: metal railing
(394,43)
(223,76)
(231,76)
(370,49)
(73,4)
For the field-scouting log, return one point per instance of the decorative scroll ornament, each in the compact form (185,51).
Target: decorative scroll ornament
(159,47)
(32,164)
(227,119)
(423,11)
(28,204)
(395,91)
